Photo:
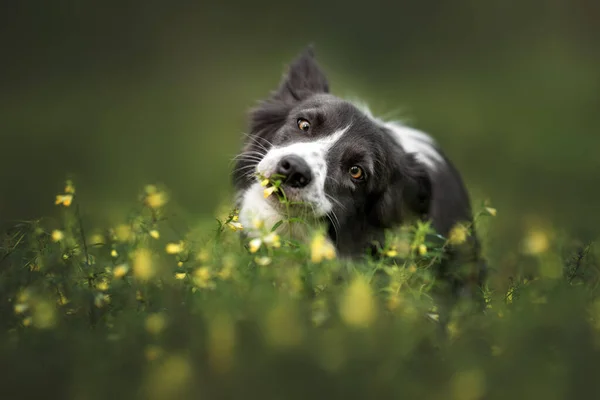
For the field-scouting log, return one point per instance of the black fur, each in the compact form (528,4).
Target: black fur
(397,185)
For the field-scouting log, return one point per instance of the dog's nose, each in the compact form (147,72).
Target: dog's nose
(296,171)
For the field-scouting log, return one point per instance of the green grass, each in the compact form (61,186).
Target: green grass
(141,310)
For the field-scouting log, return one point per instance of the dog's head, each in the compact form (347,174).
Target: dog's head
(343,165)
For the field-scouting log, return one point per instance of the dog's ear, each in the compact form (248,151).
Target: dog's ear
(417,192)
(408,194)
(304,78)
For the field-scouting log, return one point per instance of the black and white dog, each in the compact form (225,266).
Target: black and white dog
(360,173)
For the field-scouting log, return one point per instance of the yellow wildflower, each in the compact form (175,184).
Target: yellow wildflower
(422,249)
(155,198)
(174,248)
(180,275)
(102,286)
(263,261)
(114,253)
(391,253)
(155,323)
(123,232)
(321,249)
(202,277)
(269,191)
(358,307)
(20,308)
(254,245)
(536,242)
(143,267)
(64,199)
(458,234)
(120,270)
(154,234)
(273,240)
(491,211)
(57,235)
(264,182)
(235,226)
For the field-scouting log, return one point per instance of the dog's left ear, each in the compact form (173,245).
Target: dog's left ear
(417,192)
(408,194)
(303,79)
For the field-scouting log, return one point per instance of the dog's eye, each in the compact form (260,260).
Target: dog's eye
(356,172)
(303,124)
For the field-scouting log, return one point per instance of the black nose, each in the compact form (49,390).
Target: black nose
(296,171)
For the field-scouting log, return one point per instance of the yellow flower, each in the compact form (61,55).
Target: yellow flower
(254,245)
(180,275)
(235,226)
(57,235)
(273,240)
(422,249)
(358,306)
(155,323)
(102,286)
(64,199)
(143,267)
(174,248)
(123,232)
(202,277)
(155,198)
(536,242)
(391,253)
(180,263)
(491,211)
(27,321)
(321,249)
(263,261)
(114,253)
(458,234)
(20,308)
(154,234)
(120,270)
(269,191)
(264,182)
(235,218)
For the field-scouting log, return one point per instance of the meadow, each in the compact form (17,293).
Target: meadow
(122,270)
(142,310)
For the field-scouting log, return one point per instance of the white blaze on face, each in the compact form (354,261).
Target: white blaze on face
(253,205)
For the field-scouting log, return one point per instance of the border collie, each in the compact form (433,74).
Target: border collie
(361,174)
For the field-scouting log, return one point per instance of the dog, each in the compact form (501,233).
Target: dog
(360,174)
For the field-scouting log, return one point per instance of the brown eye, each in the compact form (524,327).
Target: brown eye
(356,172)
(303,124)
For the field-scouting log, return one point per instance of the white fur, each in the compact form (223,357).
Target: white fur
(411,140)
(253,205)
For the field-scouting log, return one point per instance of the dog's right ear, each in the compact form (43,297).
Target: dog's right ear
(303,79)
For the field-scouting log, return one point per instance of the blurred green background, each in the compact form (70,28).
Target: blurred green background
(120,94)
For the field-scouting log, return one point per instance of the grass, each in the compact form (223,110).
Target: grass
(141,311)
